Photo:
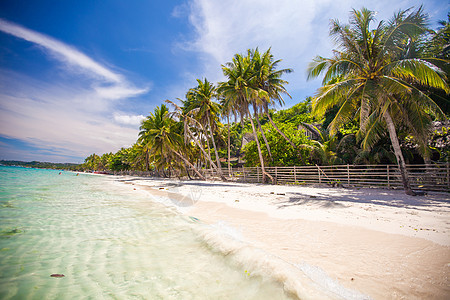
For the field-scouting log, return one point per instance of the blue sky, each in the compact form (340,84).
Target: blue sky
(77,77)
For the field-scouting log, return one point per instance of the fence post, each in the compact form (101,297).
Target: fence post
(448,173)
(348,174)
(257,173)
(243,172)
(318,171)
(295,175)
(389,183)
(276,173)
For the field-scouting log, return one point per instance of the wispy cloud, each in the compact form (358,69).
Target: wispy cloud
(72,118)
(297,30)
(60,50)
(74,58)
(69,118)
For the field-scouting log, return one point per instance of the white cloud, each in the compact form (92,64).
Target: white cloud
(61,51)
(297,30)
(73,117)
(128,119)
(68,120)
(119,87)
(118,91)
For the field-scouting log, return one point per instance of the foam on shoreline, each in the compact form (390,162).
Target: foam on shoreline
(301,281)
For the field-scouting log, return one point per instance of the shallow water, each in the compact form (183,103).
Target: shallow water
(110,243)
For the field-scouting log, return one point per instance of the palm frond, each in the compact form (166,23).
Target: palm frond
(420,71)
(372,132)
(332,94)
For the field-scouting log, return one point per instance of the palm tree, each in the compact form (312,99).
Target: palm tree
(200,105)
(439,46)
(161,135)
(189,122)
(268,79)
(240,92)
(227,110)
(370,80)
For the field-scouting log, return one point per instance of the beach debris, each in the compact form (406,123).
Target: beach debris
(281,194)
(57,275)
(313,197)
(420,193)
(236,200)
(8,204)
(194,219)
(161,188)
(272,193)
(352,279)
(10,233)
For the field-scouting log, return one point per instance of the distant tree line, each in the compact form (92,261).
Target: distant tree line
(41,165)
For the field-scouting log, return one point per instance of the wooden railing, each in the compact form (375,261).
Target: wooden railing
(435,177)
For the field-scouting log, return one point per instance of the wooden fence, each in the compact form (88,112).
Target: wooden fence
(435,177)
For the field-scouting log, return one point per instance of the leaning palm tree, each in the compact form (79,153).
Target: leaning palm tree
(199,103)
(369,79)
(161,135)
(189,121)
(240,92)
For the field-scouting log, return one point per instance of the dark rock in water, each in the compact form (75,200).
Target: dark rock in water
(57,275)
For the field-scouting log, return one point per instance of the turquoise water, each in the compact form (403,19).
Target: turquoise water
(110,242)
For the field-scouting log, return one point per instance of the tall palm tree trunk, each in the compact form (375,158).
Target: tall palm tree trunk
(261,160)
(187,171)
(147,164)
(262,133)
(208,147)
(219,167)
(229,146)
(398,154)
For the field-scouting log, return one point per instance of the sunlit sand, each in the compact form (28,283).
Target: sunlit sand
(381,243)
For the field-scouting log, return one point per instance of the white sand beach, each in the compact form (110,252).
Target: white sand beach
(380,243)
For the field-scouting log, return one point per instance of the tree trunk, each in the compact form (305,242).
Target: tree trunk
(262,133)
(205,154)
(189,164)
(187,171)
(229,146)
(219,166)
(261,160)
(398,154)
(147,165)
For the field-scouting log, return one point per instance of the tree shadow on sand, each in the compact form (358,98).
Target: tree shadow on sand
(342,198)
